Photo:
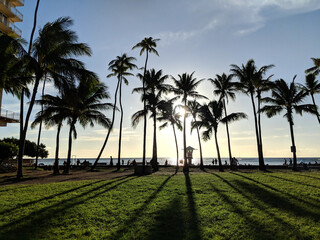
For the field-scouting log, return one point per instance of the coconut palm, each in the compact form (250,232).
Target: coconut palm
(53,56)
(185,86)
(210,115)
(249,77)
(153,91)
(225,89)
(287,97)
(147,45)
(315,70)
(84,106)
(194,108)
(169,115)
(312,86)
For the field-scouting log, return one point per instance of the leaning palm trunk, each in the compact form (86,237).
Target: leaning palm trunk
(110,128)
(293,146)
(40,127)
(259,125)
(56,160)
(315,107)
(154,152)
(228,134)
(200,150)
(218,151)
(145,115)
(22,131)
(176,142)
(66,170)
(261,161)
(120,131)
(185,166)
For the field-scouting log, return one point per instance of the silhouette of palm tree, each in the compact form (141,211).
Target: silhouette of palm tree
(225,89)
(194,108)
(185,86)
(315,70)
(287,97)
(147,45)
(210,116)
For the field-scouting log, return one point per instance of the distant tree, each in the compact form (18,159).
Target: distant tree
(185,86)
(210,115)
(288,98)
(8,150)
(147,45)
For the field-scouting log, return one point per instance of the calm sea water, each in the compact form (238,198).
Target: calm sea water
(195,161)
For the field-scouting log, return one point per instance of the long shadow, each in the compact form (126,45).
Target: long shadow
(313,177)
(259,229)
(138,212)
(316,204)
(17,229)
(170,222)
(276,201)
(290,180)
(194,222)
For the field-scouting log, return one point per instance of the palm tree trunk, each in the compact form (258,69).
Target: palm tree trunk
(176,142)
(218,151)
(40,126)
(120,130)
(185,165)
(261,161)
(200,150)
(228,134)
(154,153)
(293,147)
(145,115)
(315,106)
(56,160)
(22,134)
(259,125)
(110,128)
(66,170)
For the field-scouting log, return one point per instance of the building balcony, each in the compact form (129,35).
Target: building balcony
(7,116)
(10,29)
(10,11)
(17,3)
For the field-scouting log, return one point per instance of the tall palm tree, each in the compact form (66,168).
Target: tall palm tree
(287,97)
(84,106)
(53,56)
(312,86)
(225,89)
(153,91)
(210,116)
(169,115)
(194,108)
(53,113)
(315,70)
(147,45)
(185,86)
(120,68)
(249,77)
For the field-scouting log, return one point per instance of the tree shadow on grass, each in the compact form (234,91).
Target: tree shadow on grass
(313,177)
(125,228)
(258,229)
(294,181)
(314,203)
(28,227)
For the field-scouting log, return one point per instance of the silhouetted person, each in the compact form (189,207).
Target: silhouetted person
(134,163)
(78,162)
(128,163)
(166,163)
(215,161)
(290,161)
(122,162)
(212,161)
(111,161)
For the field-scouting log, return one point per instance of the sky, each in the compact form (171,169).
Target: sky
(203,36)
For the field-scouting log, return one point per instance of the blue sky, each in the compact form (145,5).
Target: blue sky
(204,36)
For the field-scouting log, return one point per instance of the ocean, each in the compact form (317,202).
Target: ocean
(195,161)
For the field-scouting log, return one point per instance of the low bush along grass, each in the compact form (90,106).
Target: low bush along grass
(209,205)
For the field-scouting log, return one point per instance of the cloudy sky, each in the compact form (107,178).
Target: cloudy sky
(204,36)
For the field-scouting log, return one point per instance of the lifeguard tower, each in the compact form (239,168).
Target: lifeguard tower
(189,154)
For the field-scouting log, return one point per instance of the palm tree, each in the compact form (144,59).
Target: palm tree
(194,108)
(315,70)
(154,88)
(287,97)
(169,114)
(53,113)
(312,86)
(249,78)
(147,45)
(210,116)
(225,89)
(84,106)
(53,56)
(185,86)
(119,68)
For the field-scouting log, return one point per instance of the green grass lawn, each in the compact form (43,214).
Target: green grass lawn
(210,205)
